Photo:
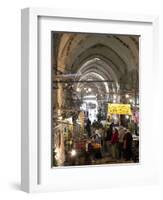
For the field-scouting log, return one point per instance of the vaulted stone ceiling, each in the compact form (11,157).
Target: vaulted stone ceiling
(98,57)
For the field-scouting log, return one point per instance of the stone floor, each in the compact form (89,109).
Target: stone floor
(109,160)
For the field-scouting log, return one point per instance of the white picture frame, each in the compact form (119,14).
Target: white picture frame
(36,173)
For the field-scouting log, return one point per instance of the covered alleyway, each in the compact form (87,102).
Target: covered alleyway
(91,74)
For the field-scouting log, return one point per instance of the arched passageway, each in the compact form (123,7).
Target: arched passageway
(89,73)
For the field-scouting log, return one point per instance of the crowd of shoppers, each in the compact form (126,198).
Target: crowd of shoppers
(115,141)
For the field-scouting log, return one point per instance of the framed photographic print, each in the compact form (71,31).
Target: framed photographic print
(88,90)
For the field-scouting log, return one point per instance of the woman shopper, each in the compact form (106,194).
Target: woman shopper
(114,143)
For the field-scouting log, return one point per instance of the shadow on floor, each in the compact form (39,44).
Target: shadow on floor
(15,186)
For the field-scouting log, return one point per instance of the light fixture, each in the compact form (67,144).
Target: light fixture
(60,117)
(130,100)
(114,100)
(97,59)
(78,89)
(115,117)
(127,96)
(127,116)
(89,89)
(73,152)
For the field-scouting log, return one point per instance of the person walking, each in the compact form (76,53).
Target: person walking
(109,133)
(88,127)
(114,143)
(128,146)
(122,132)
(88,153)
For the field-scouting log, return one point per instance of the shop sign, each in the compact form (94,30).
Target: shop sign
(119,109)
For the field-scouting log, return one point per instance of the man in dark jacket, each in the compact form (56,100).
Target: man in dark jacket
(128,146)
(88,127)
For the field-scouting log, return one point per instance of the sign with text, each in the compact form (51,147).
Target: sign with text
(119,109)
